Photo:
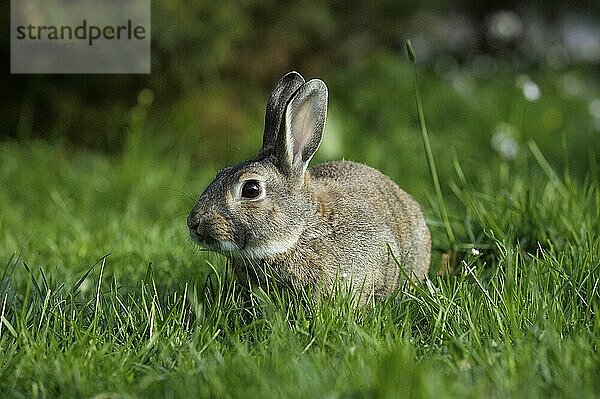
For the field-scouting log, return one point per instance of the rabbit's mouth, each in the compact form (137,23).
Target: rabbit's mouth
(246,251)
(213,244)
(205,241)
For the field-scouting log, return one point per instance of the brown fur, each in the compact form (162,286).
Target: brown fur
(338,222)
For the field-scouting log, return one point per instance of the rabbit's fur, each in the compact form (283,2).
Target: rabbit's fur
(336,223)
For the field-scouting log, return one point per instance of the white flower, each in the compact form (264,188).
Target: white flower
(475,252)
(504,142)
(531,91)
(504,26)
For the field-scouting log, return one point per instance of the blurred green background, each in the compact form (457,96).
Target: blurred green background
(494,75)
(214,63)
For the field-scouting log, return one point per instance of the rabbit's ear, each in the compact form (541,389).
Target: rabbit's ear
(302,127)
(279,97)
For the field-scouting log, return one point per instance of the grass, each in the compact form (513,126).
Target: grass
(102,295)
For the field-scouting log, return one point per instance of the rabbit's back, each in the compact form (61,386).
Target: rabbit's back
(374,215)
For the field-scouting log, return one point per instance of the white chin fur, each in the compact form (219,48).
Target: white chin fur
(258,251)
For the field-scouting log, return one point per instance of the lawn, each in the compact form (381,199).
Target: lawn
(103,295)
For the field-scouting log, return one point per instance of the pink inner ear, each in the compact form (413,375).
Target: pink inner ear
(302,127)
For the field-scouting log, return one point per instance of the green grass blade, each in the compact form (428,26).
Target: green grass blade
(429,152)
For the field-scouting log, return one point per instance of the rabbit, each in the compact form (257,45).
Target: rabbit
(339,222)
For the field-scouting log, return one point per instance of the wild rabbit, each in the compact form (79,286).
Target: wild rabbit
(338,222)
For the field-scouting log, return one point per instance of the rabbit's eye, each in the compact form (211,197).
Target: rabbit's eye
(251,189)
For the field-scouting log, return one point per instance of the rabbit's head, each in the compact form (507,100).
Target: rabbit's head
(259,208)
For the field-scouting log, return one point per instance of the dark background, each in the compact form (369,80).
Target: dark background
(213,64)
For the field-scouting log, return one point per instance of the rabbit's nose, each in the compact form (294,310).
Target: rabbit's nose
(193,221)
